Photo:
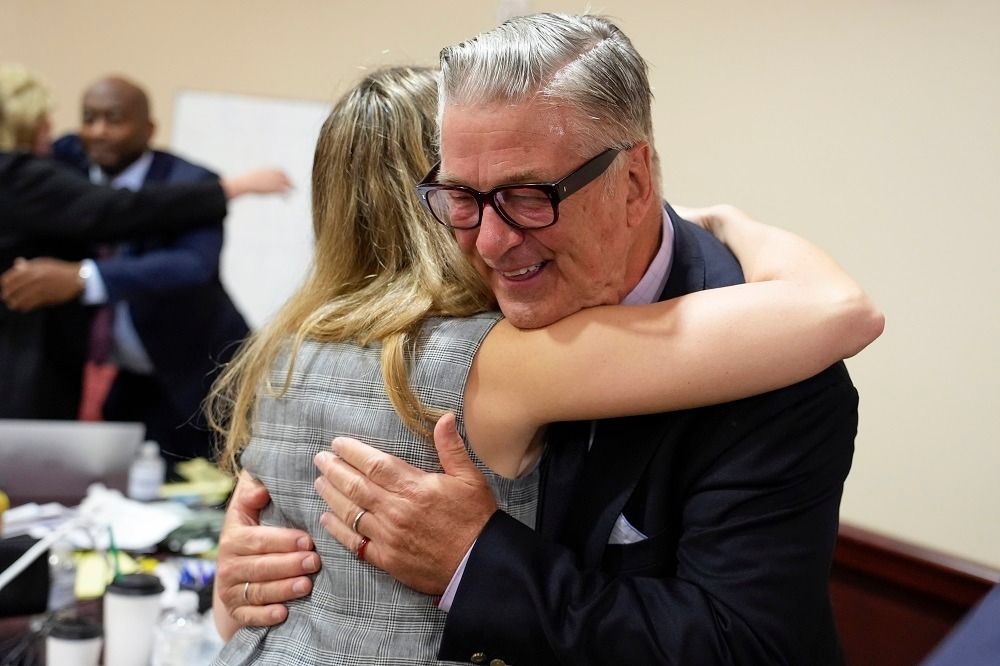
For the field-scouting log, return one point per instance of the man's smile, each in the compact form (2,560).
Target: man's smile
(523,273)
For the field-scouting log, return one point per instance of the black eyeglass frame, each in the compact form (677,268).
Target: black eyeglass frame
(556,191)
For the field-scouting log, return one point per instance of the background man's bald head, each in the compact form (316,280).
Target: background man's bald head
(128,92)
(116,127)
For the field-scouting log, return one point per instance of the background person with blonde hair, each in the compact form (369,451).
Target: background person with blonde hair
(41,354)
(393,327)
(25,122)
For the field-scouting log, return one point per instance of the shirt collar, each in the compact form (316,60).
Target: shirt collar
(131,178)
(655,279)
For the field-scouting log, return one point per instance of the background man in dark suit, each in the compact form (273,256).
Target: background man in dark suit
(697,537)
(172,322)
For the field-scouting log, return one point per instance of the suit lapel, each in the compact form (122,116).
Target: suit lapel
(623,447)
(159,168)
(621,453)
(159,172)
(562,470)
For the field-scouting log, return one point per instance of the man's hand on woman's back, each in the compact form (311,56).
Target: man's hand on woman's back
(275,561)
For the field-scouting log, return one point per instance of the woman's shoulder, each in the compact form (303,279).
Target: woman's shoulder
(449,340)
(473,328)
(444,352)
(454,339)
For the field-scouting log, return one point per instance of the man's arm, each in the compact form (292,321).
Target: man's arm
(178,261)
(191,260)
(276,561)
(41,199)
(745,584)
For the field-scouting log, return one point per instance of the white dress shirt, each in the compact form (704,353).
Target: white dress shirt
(127,350)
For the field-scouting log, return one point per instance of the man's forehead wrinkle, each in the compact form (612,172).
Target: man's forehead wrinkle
(506,169)
(520,130)
(498,132)
(518,175)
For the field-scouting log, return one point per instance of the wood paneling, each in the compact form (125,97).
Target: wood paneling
(894,601)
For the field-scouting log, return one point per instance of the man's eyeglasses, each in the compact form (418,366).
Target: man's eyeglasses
(521,205)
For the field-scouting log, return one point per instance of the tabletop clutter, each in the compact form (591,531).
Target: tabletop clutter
(148,559)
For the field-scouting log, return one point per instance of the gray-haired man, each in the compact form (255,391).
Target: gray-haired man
(702,536)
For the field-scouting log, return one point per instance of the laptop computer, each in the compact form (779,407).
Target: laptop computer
(55,461)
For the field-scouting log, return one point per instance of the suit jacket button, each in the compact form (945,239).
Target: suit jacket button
(498,662)
(478,658)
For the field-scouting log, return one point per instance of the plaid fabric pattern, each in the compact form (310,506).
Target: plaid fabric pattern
(357,614)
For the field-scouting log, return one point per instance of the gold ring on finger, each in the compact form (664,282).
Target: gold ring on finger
(357,519)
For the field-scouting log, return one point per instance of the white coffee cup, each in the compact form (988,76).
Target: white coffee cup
(131,608)
(73,641)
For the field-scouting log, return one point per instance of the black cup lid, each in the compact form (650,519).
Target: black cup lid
(136,585)
(75,629)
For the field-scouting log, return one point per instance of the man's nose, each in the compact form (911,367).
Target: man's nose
(98,127)
(496,236)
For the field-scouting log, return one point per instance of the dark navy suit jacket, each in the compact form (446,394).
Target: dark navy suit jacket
(740,506)
(183,315)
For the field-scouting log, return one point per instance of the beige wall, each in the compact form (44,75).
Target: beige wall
(870,127)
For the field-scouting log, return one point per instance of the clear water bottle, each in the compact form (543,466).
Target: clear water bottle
(62,576)
(147,473)
(178,636)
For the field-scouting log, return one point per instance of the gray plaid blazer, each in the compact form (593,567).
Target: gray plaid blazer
(357,614)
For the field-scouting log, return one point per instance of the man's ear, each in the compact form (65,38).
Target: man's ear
(150,131)
(640,192)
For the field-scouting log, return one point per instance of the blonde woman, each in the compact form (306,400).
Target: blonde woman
(393,328)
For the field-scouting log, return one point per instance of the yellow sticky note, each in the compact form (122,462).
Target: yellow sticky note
(94,571)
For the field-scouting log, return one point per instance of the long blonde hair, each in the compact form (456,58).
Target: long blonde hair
(24,104)
(381,264)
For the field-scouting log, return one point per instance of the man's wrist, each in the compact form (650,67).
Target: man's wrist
(448,597)
(84,273)
(94,291)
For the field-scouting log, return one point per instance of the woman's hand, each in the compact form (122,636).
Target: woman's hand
(713,219)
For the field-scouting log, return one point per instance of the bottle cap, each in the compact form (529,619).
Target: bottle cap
(149,449)
(75,628)
(136,585)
